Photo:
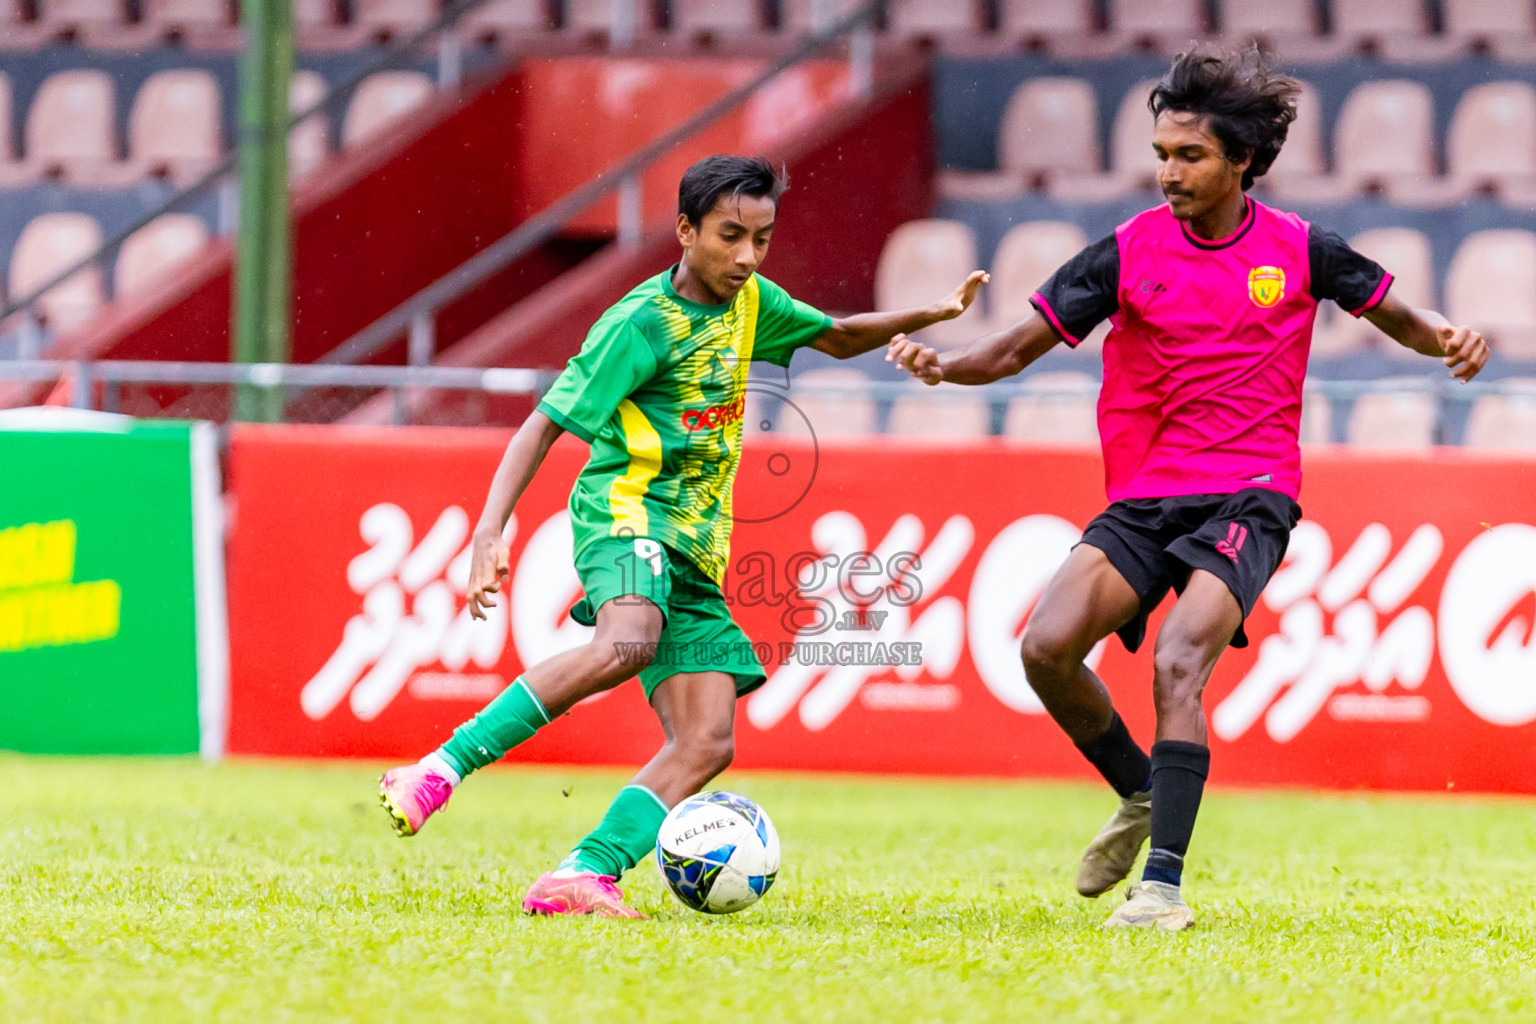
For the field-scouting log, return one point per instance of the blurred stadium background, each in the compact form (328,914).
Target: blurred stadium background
(996,134)
(237,473)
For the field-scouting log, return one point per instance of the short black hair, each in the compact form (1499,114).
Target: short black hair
(706,181)
(1250,106)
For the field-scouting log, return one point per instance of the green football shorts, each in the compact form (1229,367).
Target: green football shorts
(697,633)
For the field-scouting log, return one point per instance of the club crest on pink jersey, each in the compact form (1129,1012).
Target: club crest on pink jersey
(1266,285)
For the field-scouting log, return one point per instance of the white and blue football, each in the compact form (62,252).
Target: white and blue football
(718,852)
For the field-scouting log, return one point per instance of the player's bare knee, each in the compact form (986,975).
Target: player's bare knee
(1048,658)
(707,752)
(1179,671)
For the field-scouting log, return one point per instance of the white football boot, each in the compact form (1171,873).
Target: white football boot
(1152,905)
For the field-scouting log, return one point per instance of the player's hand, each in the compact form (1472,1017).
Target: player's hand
(916,358)
(1465,351)
(487,569)
(961,298)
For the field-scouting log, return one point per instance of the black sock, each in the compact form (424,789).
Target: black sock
(1178,780)
(1124,765)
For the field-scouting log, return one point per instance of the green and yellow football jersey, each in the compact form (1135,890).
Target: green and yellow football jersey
(658,390)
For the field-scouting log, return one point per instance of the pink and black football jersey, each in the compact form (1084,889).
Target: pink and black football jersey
(1204,364)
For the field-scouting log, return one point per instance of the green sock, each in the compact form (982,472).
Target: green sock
(625,836)
(514,716)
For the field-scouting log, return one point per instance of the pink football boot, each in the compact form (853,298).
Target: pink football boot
(577,894)
(411,794)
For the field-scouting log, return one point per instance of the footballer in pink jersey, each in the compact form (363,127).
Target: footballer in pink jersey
(1211,298)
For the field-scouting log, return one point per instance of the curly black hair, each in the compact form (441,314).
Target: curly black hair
(1250,106)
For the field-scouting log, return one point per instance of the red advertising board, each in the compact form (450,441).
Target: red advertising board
(1394,649)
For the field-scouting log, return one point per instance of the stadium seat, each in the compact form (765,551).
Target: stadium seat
(48,244)
(7,124)
(1488,23)
(1385,134)
(717,17)
(202,23)
(155,249)
(13,20)
(86,18)
(1300,173)
(1050,130)
(1491,285)
(958,18)
(1316,420)
(309,141)
(173,128)
(1394,419)
(1134,159)
(923,261)
(1504,420)
(1026,257)
(1405,253)
(598,17)
(1492,137)
(1268,21)
(389,19)
(506,20)
(802,16)
(71,127)
(1160,24)
(13,172)
(313,16)
(1061,408)
(1042,23)
(828,413)
(1506,28)
(380,100)
(1048,139)
(1371,21)
(1133,165)
(934,413)
(320,25)
(1336,333)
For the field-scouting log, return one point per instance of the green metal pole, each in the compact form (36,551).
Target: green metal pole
(261,300)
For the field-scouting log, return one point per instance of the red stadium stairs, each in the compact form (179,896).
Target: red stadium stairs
(387,219)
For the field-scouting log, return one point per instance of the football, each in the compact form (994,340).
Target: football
(718,852)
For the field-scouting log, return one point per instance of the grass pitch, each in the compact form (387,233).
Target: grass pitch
(170,891)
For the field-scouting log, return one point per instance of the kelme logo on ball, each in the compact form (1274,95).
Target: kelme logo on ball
(1266,285)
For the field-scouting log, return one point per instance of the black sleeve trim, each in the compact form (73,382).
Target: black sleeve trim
(1084,292)
(1338,272)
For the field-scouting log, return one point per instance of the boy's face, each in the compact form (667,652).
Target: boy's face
(727,248)
(1192,168)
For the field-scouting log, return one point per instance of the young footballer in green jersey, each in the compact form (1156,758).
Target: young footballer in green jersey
(657,392)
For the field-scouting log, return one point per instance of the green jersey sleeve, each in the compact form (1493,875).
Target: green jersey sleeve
(784,324)
(613,362)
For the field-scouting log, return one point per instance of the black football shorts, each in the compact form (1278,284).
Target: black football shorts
(1155,543)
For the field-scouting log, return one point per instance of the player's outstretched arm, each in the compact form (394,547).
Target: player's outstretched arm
(854,335)
(1425,331)
(982,361)
(489,561)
